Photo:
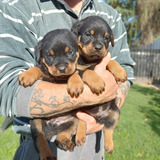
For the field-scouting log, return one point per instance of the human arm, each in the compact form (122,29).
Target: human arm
(92,125)
(18,39)
(16,55)
(45,102)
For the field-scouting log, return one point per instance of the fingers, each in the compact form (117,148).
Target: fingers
(85,117)
(103,63)
(92,125)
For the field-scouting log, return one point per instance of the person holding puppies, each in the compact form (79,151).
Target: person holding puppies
(24,23)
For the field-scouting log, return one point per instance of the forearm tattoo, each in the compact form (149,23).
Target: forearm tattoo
(52,106)
(120,97)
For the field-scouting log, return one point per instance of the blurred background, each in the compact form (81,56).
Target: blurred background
(142,21)
(137,136)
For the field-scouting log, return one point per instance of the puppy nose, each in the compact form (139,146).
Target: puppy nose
(98,47)
(61,68)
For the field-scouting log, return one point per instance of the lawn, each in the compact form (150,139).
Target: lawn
(9,141)
(137,136)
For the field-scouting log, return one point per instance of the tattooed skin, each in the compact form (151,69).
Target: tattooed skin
(52,106)
(123,89)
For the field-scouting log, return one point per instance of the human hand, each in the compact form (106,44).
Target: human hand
(101,70)
(109,93)
(111,85)
(92,125)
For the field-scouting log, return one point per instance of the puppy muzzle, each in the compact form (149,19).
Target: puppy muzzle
(98,47)
(61,68)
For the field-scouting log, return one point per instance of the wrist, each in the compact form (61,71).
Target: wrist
(122,93)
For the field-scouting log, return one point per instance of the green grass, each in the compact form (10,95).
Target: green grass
(9,141)
(137,136)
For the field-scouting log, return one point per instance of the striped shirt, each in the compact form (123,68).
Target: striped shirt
(24,22)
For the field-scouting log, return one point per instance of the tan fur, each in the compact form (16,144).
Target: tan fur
(41,141)
(92,32)
(112,40)
(84,67)
(94,81)
(64,137)
(66,49)
(117,70)
(81,133)
(75,85)
(108,133)
(29,77)
(55,72)
(51,52)
(105,35)
(88,50)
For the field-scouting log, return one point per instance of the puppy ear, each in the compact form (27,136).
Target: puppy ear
(111,35)
(75,27)
(112,40)
(37,51)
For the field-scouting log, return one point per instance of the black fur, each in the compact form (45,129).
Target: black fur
(95,33)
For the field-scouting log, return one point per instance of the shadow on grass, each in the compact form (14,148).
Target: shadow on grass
(6,124)
(152,113)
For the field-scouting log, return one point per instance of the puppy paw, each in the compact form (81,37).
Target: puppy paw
(97,86)
(75,86)
(120,75)
(65,144)
(94,81)
(109,148)
(49,157)
(117,70)
(80,140)
(26,80)
(75,89)
(29,77)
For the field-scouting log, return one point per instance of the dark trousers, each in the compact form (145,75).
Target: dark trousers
(93,149)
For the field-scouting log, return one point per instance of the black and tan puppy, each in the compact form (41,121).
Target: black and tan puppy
(94,36)
(56,57)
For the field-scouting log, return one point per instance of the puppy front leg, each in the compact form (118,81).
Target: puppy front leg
(28,77)
(117,70)
(75,85)
(94,81)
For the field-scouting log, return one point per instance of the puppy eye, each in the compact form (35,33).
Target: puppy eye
(49,55)
(70,53)
(88,34)
(106,38)
(50,58)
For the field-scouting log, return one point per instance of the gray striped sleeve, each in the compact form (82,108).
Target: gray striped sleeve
(16,56)
(23,100)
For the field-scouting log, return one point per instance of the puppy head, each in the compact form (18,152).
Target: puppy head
(57,52)
(94,36)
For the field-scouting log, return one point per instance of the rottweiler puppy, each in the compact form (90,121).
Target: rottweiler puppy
(94,35)
(56,58)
